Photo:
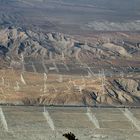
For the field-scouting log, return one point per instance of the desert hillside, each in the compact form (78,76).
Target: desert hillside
(53,89)
(103,71)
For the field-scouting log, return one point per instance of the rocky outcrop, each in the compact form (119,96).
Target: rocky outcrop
(121,91)
(116,92)
(17,41)
(116,49)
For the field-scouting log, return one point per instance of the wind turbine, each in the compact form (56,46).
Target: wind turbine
(45,85)
(22,79)
(17,86)
(3,81)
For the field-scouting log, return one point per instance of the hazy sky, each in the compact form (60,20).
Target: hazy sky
(73,12)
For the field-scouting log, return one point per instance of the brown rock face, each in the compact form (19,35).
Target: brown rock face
(17,41)
(116,92)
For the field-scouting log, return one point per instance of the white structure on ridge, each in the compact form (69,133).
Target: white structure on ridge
(3,120)
(92,118)
(45,83)
(3,81)
(50,55)
(49,119)
(22,62)
(68,87)
(129,115)
(89,74)
(60,80)
(103,80)
(22,79)
(122,74)
(17,86)
(55,89)
(63,56)
(79,87)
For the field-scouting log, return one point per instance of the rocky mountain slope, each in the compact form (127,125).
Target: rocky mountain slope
(115,92)
(70,90)
(16,42)
(22,47)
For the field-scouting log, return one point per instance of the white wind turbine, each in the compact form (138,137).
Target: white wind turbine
(17,86)
(22,79)
(45,81)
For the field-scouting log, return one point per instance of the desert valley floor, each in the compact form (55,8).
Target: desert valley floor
(50,123)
